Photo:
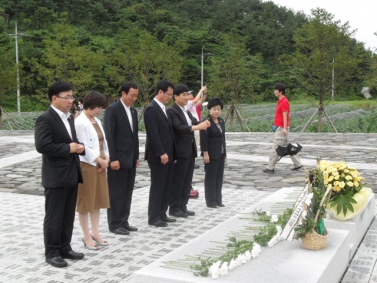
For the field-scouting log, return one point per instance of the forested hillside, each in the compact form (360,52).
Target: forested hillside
(247,46)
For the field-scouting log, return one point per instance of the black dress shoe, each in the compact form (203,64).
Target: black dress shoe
(73,255)
(196,166)
(167,220)
(221,205)
(189,212)
(268,170)
(120,231)
(158,224)
(212,206)
(297,168)
(56,261)
(178,214)
(130,228)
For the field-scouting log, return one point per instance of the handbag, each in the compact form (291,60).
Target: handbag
(290,149)
(194,193)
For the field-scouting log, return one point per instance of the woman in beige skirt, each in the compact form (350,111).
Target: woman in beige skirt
(93,194)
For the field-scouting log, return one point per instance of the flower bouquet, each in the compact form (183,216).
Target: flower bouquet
(347,195)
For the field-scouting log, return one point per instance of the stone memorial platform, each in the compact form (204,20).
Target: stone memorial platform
(285,262)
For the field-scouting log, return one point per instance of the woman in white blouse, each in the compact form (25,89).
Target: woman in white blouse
(93,194)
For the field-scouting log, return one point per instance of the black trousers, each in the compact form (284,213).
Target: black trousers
(183,173)
(60,206)
(213,181)
(121,186)
(160,190)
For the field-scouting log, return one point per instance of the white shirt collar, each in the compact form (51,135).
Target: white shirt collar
(159,103)
(125,106)
(61,114)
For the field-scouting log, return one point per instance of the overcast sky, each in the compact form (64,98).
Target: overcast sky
(361,15)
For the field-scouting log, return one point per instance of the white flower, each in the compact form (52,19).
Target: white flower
(304,214)
(274,218)
(308,199)
(279,229)
(243,259)
(268,213)
(223,269)
(214,271)
(232,264)
(238,260)
(277,238)
(272,242)
(256,250)
(248,255)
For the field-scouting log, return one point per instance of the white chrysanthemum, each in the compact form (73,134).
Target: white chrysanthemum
(232,264)
(248,255)
(268,213)
(274,218)
(223,269)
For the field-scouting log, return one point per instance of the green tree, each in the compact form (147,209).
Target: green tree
(63,57)
(8,66)
(141,58)
(326,55)
(235,74)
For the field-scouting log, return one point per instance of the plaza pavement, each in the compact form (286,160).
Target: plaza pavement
(22,207)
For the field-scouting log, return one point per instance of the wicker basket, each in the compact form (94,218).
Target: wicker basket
(315,241)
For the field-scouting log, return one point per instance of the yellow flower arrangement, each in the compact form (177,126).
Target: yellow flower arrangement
(347,193)
(340,177)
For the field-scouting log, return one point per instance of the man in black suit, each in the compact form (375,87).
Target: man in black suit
(55,138)
(184,125)
(160,153)
(121,129)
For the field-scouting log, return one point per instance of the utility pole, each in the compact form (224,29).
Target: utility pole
(333,79)
(202,66)
(16,35)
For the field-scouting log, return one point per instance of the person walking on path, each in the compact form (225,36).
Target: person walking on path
(160,154)
(121,128)
(184,125)
(55,138)
(93,194)
(281,126)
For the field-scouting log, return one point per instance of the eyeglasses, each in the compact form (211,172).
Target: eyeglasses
(169,94)
(67,98)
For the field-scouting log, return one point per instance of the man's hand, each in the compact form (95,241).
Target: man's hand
(206,157)
(164,159)
(76,148)
(285,131)
(115,165)
(137,163)
(204,125)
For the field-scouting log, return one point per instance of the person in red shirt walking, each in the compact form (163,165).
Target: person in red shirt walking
(281,124)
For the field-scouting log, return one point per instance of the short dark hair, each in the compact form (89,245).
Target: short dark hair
(58,87)
(94,99)
(164,85)
(80,99)
(214,102)
(280,87)
(179,89)
(126,87)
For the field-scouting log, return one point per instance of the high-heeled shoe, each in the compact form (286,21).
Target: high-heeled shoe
(103,244)
(94,248)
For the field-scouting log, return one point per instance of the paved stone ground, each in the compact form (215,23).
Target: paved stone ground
(22,202)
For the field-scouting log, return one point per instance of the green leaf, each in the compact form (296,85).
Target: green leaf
(343,202)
